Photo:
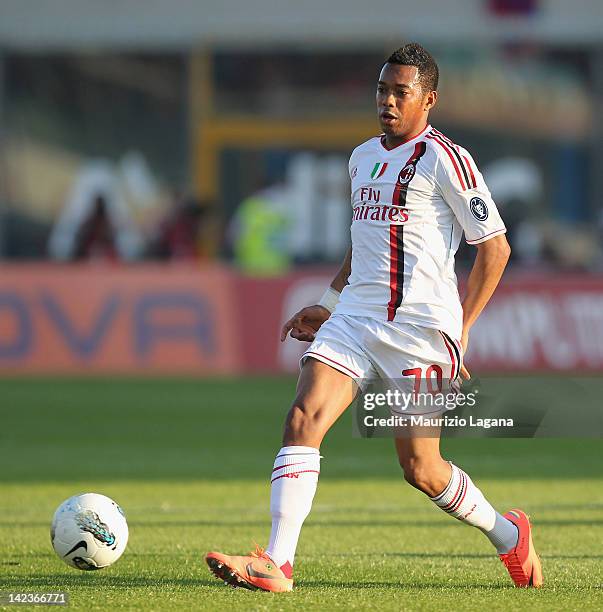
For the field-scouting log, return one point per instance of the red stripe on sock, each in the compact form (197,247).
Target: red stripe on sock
(455,496)
(460,501)
(294,474)
(280,467)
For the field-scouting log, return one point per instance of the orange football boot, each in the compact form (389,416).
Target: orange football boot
(522,562)
(255,571)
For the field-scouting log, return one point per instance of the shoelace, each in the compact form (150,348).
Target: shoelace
(259,552)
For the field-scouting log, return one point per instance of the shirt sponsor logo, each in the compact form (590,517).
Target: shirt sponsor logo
(478,209)
(391,214)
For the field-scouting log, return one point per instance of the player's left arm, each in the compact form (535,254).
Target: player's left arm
(490,262)
(465,191)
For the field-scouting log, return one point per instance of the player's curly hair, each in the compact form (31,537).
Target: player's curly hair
(413,54)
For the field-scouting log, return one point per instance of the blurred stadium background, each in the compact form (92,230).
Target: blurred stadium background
(173,181)
(173,185)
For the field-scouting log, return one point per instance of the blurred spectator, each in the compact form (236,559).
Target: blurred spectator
(258,233)
(95,201)
(189,231)
(517,187)
(95,238)
(571,248)
(528,243)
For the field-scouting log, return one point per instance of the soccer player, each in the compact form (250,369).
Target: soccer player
(393,307)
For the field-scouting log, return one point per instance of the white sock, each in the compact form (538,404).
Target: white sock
(294,481)
(463,500)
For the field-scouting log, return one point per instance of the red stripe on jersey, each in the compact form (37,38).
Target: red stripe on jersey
(382,170)
(459,353)
(332,361)
(447,140)
(401,188)
(444,137)
(396,269)
(456,152)
(396,232)
(452,359)
(452,159)
(502,230)
(473,181)
(455,347)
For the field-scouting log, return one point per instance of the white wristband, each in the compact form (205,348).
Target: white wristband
(329,299)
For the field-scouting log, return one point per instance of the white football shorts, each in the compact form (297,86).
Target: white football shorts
(407,356)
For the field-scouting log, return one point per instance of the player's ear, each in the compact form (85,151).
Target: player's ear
(430,100)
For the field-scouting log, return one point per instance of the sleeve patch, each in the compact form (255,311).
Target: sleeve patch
(479,209)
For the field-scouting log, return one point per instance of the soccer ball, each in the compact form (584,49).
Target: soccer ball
(89,531)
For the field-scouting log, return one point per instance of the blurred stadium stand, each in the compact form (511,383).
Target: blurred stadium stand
(216,102)
(174,132)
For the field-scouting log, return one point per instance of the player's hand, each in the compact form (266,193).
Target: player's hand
(464,342)
(304,324)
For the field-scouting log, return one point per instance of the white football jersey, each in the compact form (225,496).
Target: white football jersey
(411,205)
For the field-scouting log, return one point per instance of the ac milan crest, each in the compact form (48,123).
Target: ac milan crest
(406,174)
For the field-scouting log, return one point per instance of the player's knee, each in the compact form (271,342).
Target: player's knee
(418,473)
(303,422)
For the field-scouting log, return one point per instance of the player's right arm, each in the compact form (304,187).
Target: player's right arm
(341,278)
(304,324)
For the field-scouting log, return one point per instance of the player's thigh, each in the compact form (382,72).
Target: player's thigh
(323,394)
(332,368)
(415,362)
(425,357)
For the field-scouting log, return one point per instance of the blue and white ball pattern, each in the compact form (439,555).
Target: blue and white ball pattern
(89,531)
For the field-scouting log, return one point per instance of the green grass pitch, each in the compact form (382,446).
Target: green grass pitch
(189,461)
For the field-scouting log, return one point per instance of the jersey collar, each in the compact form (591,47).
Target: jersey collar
(412,140)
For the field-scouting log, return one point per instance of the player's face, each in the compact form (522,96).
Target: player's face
(402,105)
